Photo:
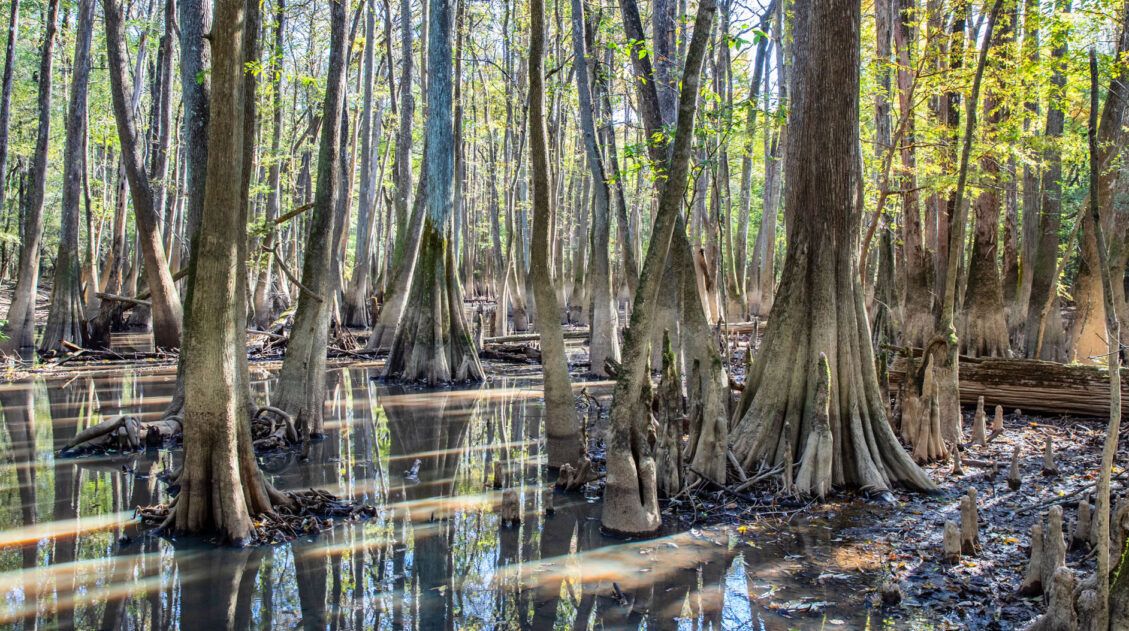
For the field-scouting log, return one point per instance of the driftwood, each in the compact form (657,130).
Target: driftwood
(125,433)
(1039,386)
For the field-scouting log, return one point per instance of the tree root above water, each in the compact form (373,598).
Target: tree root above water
(306,512)
(272,430)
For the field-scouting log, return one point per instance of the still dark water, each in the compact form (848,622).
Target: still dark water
(435,557)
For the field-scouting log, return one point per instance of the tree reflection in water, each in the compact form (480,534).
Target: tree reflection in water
(435,557)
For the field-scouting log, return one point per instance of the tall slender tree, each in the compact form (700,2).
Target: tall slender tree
(604,342)
(21,313)
(66,320)
(166,305)
(562,427)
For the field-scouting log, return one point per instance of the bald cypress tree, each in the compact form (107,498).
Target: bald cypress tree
(819,310)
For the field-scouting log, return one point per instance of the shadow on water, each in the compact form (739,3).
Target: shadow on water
(435,557)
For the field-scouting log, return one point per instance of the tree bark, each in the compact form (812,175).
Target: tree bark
(301,390)
(819,308)
(562,427)
(167,309)
(21,313)
(66,319)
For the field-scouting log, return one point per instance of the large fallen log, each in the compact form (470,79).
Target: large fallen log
(1032,385)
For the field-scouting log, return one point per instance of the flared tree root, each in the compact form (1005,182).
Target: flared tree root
(296,514)
(669,411)
(433,342)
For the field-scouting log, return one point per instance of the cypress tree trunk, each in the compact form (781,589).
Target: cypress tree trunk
(65,320)
(166,304)
(1042,333)
(432,343)
(221,484)
(356,296)
(264,299)
(819,316)
(1088,329)
(21,313)
(984,326)
(301,390)
(5,115)
(604,342)
(562,427)
(631,496)
(918,321)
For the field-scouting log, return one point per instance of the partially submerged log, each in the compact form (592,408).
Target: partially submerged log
(124,433)
(1040,386)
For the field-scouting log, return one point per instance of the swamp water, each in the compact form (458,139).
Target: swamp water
(435,557)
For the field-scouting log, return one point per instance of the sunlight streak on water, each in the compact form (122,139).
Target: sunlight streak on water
(435,556)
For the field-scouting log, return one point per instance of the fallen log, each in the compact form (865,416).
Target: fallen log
(1034,385)
(579,334)
(132,302)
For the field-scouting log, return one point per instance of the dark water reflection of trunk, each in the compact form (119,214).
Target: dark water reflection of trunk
(436,557)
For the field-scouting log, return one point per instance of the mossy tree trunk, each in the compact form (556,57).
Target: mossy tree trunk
(301,390)
(630,495)
(819,307)
(432,342)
